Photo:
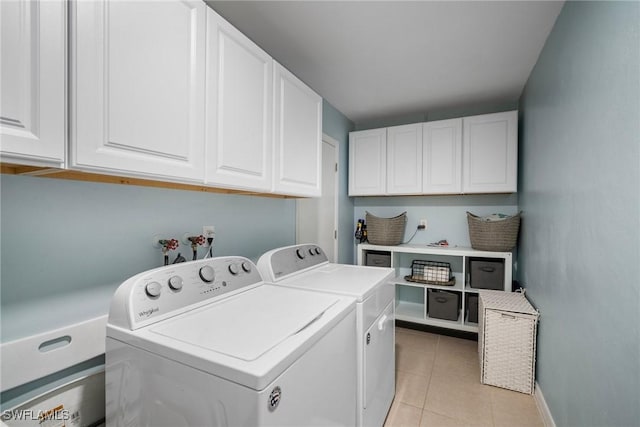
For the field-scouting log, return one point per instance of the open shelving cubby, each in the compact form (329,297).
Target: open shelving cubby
(412,298)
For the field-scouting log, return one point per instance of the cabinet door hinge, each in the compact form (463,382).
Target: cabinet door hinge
(336,167)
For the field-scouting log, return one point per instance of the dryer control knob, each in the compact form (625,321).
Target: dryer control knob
(311,252)
(246,267)
(300,253)
(153,289)
(175,283)
(207,274)
(318,251)
(233,269)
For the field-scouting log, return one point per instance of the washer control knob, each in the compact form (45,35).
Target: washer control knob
(175,283)
(153,289)
(318,251)
(300,253)
(207,274)
(312,252)
(246,267)
(233,269)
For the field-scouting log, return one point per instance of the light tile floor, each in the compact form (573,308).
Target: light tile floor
(438,384)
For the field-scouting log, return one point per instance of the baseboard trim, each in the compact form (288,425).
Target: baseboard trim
(473,336)
(543,409)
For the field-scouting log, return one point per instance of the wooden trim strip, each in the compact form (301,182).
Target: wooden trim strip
(12,169)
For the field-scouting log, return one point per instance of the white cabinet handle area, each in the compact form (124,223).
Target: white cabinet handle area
(382,322)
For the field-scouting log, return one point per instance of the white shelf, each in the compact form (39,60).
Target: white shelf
(409,309)
(440,323)
(435,250)
(411,304)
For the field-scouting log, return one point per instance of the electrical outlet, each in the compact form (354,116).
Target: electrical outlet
(209,231)
(423,224)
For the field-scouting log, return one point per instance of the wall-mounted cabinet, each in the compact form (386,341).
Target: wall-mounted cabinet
(239,117)
(297,136)
(442,157)
(138,88)
(166,91)
(368,162)
(477,154)
(490,153)
(452,306)
(404,159)
(33,68)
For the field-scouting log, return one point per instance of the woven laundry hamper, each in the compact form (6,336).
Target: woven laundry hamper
(507,340)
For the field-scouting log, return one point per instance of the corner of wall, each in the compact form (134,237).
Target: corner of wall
(543,409)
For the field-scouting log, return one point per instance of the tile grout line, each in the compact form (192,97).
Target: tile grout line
(433,363)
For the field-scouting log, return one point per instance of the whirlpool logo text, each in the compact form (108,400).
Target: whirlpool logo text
(149,312)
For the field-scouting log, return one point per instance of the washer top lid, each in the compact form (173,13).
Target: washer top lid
(351,280)
(250,324)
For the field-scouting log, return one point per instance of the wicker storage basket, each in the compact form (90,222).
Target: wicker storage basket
(386,231)
(499,236)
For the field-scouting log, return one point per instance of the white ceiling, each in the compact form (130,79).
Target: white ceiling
(381,59)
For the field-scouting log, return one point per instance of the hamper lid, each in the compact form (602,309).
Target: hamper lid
(508,301)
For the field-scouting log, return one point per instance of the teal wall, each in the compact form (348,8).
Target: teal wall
(580,193)
(337,126)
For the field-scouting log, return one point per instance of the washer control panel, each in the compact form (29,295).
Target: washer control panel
(282,262)
(166,291)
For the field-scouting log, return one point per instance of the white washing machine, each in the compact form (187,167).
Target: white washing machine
(307,267)
(208,343)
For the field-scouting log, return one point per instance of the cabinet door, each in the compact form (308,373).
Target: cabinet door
(138,88)
(490,153)
(33,103)
(298,136)
(404,159)
(239,109)
(368,162)
(442,157)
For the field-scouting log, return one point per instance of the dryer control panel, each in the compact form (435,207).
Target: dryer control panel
(280,263)
(170,290)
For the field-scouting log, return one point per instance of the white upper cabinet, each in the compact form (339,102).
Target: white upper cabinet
(404,159)
(138,88)
(33,73)
(239,114)
(490,153)
(477,154)
(368,162)
(297,136)
(442,157)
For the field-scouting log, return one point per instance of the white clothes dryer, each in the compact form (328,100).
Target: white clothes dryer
(208,343)
(306,267)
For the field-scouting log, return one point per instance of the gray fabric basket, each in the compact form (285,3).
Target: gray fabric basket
(385,231)
(498,236)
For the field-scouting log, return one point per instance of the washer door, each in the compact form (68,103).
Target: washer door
(379,367)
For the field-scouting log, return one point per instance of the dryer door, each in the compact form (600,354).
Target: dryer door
(379,368)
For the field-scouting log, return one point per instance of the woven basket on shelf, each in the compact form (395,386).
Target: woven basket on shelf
(499,236)
(385,231)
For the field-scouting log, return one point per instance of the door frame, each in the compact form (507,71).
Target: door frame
(336,145)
